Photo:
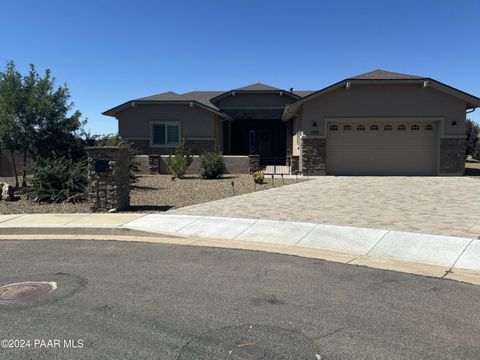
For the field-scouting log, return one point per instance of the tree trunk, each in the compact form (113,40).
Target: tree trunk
(24,170)
(14,169)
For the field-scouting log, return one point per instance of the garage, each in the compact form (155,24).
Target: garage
(382,148)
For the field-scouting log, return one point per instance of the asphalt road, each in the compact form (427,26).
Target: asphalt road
(119,300)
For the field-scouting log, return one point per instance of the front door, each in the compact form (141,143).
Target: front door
(265,145)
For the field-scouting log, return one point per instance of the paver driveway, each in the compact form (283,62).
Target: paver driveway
(434,205)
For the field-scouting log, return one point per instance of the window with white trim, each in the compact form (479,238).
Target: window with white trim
(387,128)
(165,133)
(347,127)
(360,127)
(401,128)
(333,128)
(415,127)
(373,127)
(428,127)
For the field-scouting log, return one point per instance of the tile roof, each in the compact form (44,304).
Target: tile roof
(380,74)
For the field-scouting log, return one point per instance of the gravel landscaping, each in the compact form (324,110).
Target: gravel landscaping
(156,193)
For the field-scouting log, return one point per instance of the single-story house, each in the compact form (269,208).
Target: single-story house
(377,123)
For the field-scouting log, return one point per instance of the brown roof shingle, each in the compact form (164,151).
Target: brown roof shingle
(380,74)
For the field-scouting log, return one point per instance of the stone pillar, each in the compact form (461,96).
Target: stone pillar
(154,164)
(254,163)
(313,151)
(452,157)
(294,163)
(108,175)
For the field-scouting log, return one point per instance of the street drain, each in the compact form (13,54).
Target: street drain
(250,342)
(248,352)
(24,291)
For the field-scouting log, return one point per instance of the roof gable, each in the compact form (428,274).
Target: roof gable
(380,74)
(258,87)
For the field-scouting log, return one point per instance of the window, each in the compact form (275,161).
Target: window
(347,127)
(401,128)
(165,133)
(333,128)
(373,127)
(387,128)
(415,127)
(360,127)
(428,127)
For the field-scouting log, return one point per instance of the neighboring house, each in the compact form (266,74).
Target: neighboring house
(378,123)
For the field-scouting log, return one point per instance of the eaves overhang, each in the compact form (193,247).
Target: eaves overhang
(471,101)
(235,92)
(132,103)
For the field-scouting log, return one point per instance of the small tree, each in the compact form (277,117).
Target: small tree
(472,131)
(179,163)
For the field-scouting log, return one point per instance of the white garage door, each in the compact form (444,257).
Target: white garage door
(373,148)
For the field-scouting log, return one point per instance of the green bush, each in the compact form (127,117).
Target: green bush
(211,165)
(58,180)
(178,164)
(258,177)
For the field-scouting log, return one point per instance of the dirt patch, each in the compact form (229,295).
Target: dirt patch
(156,193)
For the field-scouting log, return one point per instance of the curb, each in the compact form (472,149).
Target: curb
(115,234)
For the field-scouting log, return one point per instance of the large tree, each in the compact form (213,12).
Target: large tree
(471,133)
(38,117)
(11,94)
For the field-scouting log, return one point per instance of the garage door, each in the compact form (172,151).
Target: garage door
(372,148)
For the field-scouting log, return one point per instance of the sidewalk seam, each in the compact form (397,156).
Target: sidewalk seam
(83,217)
(13,218)
(378,242)
(140,217)
(308,232)
(450,270)
(190,223)
(248,227)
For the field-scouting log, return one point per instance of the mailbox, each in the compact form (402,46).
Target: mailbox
(101,166)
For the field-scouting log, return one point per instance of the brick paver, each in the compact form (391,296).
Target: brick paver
(434,205)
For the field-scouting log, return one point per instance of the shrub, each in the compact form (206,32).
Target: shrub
(58,180)
(211,165)
(178,164)
(258,177)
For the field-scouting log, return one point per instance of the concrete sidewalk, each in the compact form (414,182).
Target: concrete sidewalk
(435,255)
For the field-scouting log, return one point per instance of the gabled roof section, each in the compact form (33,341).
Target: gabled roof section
(254,88)
(380,74)
(201,98)
(166,96)
(258,87)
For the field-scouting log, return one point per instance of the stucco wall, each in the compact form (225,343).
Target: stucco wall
(388,100)
(134,123)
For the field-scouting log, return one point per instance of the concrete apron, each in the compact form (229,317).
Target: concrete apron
(432,255)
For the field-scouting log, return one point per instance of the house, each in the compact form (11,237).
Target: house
(377,123)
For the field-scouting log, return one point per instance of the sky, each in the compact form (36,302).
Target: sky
(109,52)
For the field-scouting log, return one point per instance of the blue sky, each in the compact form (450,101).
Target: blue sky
(112,51)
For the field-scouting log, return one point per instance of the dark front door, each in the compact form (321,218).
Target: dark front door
(265,144)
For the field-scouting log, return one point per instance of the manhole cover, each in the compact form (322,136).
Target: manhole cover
(250,342)
(24,291)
